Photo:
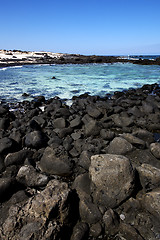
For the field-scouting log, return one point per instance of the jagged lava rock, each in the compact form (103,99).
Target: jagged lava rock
(37,217)
(113,179)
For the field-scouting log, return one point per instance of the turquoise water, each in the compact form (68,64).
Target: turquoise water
(96,79)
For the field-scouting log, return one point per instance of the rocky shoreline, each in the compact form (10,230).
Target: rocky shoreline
(18,58)
(86,171)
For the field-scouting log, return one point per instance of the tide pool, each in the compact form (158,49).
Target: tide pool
(71,79)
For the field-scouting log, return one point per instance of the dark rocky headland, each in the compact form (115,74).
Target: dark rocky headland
(88,171)
(17,57)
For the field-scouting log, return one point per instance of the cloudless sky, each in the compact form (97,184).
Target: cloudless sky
(105,27)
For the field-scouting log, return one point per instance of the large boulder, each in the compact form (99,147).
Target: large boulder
(53,163)
(112,179)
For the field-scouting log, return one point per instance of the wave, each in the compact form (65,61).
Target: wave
(3,69)
(16,67)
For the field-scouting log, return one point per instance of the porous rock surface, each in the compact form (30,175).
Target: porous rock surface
(86,171)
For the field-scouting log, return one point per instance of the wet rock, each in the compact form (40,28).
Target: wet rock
(17,157)
(155,149)
(151,201)
(113,179)
(80,231)
(52,163)
(149,177)
(28,176)
(119,146)
(35,139)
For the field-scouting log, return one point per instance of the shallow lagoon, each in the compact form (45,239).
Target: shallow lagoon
(71,79)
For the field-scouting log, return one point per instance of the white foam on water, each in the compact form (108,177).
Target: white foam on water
(16,67)
(3,69)
(42,108)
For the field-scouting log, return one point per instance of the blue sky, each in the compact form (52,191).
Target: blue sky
(105,27)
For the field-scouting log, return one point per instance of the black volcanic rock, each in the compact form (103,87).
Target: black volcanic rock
(52,163)
(89,170)
(35,139)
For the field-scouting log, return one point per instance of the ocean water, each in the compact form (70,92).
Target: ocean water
(149,57)
(71,79)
